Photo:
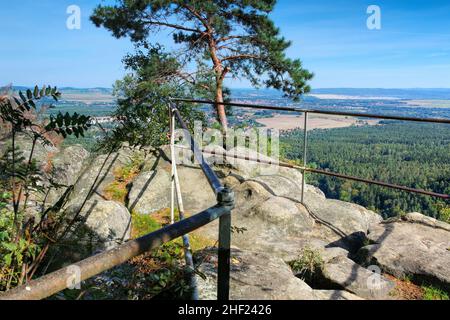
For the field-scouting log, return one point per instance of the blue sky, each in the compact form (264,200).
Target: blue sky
(411,50)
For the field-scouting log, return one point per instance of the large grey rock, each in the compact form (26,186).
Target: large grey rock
(66,167)
(99,226)
(254,275)
(350,276)
(42,152)
(68,164)
(99,173)
(286,186)
(271,224)
(407,248)
(150,192)
(196,190)
(343,217)
(249,169)
(285,214)
(343,224)
(339,219)
(415,217)
(259,276)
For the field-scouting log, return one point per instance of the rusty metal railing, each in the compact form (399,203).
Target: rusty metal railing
(57,281)
(305,167)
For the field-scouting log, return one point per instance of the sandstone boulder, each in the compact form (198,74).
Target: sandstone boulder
(288,216)
(259,276)
(66,167)
(418,247)
(249,169)
(98,226)
(346,274)
(68,164)
(254,275)
(345,218)
(150,192)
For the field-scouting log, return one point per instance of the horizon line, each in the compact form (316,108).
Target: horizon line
(256,89)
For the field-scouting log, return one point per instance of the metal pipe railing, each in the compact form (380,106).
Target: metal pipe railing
(350,114)
(225,197)
(57,281)
(176,190)
(211,176)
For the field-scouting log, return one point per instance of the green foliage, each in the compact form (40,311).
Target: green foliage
(308,264)
(143,224)
(67,124)
(14,252)
(170,275)
(118,189)
(143,101)
(433,293)
(22,240)
(444,214)
(414,155)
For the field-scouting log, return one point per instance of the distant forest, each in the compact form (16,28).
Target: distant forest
(410,154)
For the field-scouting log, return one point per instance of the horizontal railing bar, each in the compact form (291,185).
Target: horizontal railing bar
(338,113)
(384,184)
(328,173)
(211,176)
(57,281)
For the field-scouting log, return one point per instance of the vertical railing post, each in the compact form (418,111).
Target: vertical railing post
(225,198)
(173,160)
(305,142)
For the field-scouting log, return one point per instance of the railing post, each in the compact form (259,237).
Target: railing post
(225,198)
(173,160)
(305,141)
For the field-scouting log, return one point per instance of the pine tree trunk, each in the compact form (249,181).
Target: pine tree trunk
(220,108)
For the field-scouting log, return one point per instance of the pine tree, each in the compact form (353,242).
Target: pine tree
(233,37)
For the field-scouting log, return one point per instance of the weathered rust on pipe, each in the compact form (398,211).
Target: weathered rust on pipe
(211,176)
(57,281)
(336,113)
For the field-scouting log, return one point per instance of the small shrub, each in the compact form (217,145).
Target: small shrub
(308,265)
(142,224)
(444,215)
(432,293)
(14,252)
(118,189)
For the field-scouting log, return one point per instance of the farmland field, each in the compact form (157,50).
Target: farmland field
(288,122)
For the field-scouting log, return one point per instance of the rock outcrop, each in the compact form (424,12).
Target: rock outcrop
(346,274)
(98,225)
(259,276)
(65,168)
(275,226)
(150,192)
(416,247)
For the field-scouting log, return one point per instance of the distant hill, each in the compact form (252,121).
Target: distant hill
(73,90)
(408,94)
(419,93)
